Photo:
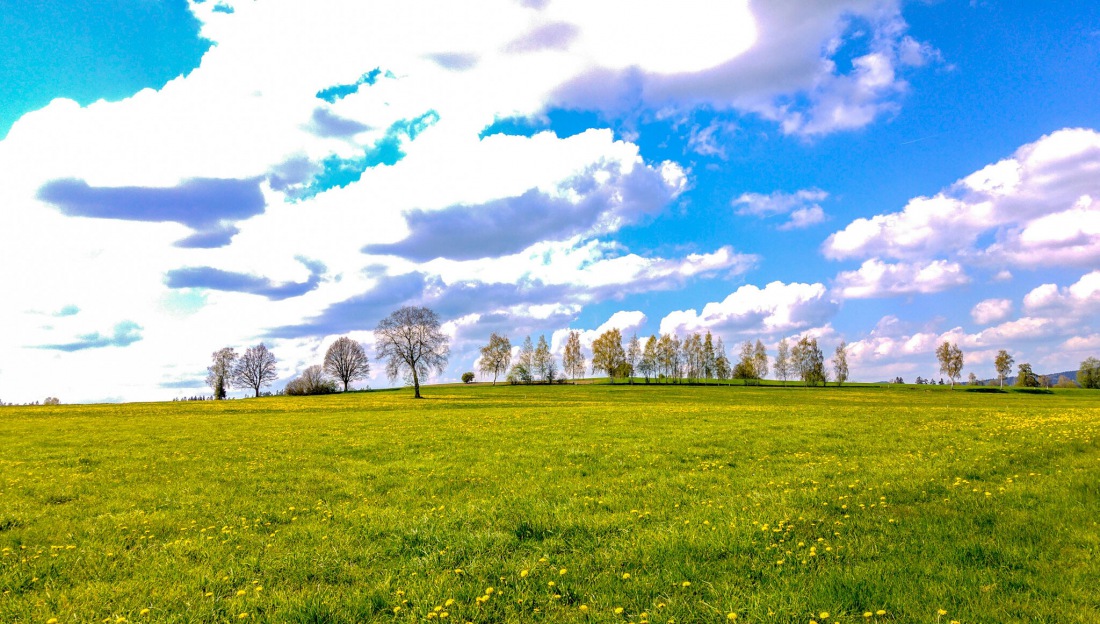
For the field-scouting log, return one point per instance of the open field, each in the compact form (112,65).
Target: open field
(671,504)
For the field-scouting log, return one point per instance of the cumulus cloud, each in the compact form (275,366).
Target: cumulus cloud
(777,308)
(991,311)
(802,206)
(1038,207)
(875,278)
(1078,300)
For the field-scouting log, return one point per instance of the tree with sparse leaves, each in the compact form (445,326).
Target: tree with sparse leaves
(950,357)
(972,380)
(545,364)
(783,361)
(496,356)
(1003,363)
(760,360)
(808,361)
(840,363)
(648,365)
(311,381)
(633,356)
(346,360)
(255,369)
(572,357)
(745,369)
(220,373)
(412,344)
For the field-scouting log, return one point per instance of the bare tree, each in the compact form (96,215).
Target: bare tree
(496,356)
(951,360)
(572,358)
(840,363)
(783,361)
(220,372)
(346,360)
(255,369)
(607,353)
(1003,364)
(412,344)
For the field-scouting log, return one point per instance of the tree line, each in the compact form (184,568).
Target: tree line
(697,358)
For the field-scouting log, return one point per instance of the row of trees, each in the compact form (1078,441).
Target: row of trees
(950,358)
(666,358)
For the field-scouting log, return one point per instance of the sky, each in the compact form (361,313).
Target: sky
(184,176)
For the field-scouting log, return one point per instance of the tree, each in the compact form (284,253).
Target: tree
(496,356)
(710,359)
(1089,374)
(524,368)
(1064,382)
(808,361)
(468,377)
(746,367)
(633,356)
(648,365)
(950,357)
(220,372)
(572,358)
(544,363)
(412,344)
(1003,364)
(972,380)
(607,353)
(255,369)
(782,361)
(760,360)
(347,361)
(722,367)
(840,363)
(1026,378)
(311,381)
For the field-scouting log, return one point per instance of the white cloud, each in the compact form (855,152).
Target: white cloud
(777,308)
(1079,300)
(802,206)
(880,279)
(991,311)
(1038,205)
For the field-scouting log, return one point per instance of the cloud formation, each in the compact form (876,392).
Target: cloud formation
(802,206)
(124,334)
(775,309)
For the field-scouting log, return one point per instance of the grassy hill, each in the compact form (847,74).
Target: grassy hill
(588,503)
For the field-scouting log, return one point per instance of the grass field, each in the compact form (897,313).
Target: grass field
(560,504)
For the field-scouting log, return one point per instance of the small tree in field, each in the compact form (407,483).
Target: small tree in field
(808,361)
(783,361)
(311,381)
(346,360)
(1089,374)
(1026,378)
(496,356)
(634,355)
(840,363)
(467,377)
(220,372)
(607,353)
(545,364)
(255,369)
(572,358)
(950,357)
(412,344)
(1003,364)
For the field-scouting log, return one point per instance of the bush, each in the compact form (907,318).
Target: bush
(467,377)
(312,381)
(52,401)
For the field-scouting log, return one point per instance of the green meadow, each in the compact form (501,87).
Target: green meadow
(587,503)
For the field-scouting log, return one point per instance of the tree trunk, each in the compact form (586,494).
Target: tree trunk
(257,392)
(416,384)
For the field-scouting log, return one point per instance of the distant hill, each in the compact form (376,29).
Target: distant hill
(1011,381)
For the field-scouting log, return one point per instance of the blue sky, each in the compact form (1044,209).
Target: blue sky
(187,176)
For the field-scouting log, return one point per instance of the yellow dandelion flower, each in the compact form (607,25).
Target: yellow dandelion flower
(618,610)
(489,591)
(524,573)
(450,601)
(584,608)
(731,616)
(51,621)
(867,614)
(550,584)
(880,612)
(242,616)
(626,575)
(685,584)
(143,612)
(823,615)
(396,609)
(562,571)
(240,592)
(942,612)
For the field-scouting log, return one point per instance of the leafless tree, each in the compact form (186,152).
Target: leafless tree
(220,372)
(496,356)
(255,369)
(412,344)
(311,381)
(347,361)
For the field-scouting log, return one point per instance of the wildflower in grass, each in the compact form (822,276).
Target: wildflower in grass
(450,601)
(626,575)
(685,584)
(143,612)
(51,621)
(489,591)
(731,616)
(562,571)
(583,608)
(242,616)
(240,592)
(867,614)
(550,584)
(880,612)
(524,573)
(823,615)
(396,610)
(618,610)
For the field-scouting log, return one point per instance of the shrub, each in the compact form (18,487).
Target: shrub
(467,377)
(312,381)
